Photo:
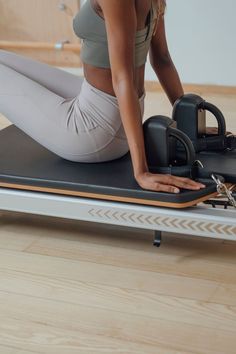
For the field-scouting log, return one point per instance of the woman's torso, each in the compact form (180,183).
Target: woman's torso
(101,77)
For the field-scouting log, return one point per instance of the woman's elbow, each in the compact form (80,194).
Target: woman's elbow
(122,81)
(161,60)
(122,76)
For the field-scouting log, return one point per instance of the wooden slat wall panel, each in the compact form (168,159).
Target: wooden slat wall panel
(42,21)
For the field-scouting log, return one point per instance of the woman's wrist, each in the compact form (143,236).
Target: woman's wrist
(140,170)
(138,157)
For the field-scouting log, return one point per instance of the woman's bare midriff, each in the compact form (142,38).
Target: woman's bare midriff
(102,80)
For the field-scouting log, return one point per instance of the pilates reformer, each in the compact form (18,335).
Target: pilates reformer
(36,181)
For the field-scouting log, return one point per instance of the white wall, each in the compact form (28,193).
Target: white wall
(201,39)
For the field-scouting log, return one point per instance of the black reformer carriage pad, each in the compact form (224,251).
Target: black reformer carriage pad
(24,162)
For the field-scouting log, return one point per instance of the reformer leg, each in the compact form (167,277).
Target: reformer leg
(157,238)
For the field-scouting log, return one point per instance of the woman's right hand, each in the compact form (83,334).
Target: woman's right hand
(166,183)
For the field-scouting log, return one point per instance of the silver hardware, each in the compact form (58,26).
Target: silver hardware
(59,45)
(223,190)
(62,6)
(229,134)
(198,163)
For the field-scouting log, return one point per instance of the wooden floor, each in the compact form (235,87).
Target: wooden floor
(73,287)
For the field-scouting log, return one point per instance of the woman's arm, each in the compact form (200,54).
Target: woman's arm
(121,23)
(120,19)
(163,65)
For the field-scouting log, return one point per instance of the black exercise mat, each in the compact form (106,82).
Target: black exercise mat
(23,161)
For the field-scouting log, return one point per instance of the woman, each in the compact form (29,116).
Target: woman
(98,118)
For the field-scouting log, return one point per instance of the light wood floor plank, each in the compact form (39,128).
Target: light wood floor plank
(117,330)
(215,257)
(13,234)
(123,300)
(11,349)
(114,276)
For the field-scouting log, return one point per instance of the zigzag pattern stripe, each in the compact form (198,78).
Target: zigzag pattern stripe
(169,222)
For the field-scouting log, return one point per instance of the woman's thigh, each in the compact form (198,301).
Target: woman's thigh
(54,122)
(56,80)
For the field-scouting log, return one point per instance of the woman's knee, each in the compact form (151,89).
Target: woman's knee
(4,72)
(3,56)
(7,57)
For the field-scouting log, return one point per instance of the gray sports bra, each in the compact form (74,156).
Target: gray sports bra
(90,27)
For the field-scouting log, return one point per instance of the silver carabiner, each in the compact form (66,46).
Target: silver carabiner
(223,190)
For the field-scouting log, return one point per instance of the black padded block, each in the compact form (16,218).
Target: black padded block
(23,161)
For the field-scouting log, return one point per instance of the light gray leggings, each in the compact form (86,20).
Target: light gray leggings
(61,111)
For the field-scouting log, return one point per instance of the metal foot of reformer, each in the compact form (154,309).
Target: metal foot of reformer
(157,238)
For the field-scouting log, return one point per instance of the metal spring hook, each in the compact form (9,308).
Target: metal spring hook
(223,190)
